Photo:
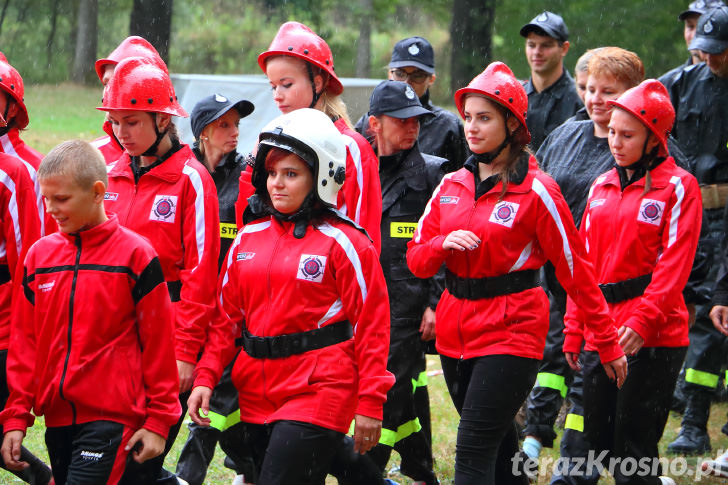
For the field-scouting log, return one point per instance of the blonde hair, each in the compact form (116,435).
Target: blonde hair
(76,159)
(330,104)
(623,65)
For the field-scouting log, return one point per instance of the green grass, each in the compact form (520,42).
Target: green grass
(58,113)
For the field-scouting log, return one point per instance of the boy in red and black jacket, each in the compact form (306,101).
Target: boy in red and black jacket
(91,344)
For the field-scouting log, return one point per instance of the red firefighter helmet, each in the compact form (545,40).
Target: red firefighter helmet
(12,83)
(297,40)
(498,83)
(140,85)
(650,103)
(133,46)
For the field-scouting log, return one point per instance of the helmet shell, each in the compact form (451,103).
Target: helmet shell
(297,40)
(12,83)
(311,135)
(140,85)
(133,46)
(498,83)
(650,103)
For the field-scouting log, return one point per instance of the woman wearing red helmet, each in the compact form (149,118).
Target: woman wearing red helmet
(158,189)
(641,225)
(494,223)
(300,68)
(133,46)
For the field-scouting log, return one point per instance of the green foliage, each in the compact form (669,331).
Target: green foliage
(649,28)
(226,36)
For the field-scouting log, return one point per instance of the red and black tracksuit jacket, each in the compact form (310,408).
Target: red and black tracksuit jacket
(92,334)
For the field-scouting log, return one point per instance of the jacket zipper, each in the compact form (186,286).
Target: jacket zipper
(70,326)
(270,303)
(462,303)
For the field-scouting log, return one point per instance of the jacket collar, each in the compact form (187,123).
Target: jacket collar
(170,170)
(555,89)
(96,235)
(659,176)
(520,182)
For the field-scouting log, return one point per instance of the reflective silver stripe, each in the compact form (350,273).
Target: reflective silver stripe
(541,191)
(355,154)
(418,232)
(676,209)
(13,210)
(199,210)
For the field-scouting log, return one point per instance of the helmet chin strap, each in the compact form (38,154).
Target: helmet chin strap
(316,95)
(646,158)
(152,150)
(487,158)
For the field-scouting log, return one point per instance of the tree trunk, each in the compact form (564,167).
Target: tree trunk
(152,19)
(86,33)
(364,45)
(471,37)
(51,34)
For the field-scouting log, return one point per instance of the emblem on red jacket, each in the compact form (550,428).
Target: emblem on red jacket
(504,213)
(448,199)
(311,268)
(111,196)
(651,211)
(164,208)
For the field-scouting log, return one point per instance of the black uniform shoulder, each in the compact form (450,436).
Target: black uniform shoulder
(435,168)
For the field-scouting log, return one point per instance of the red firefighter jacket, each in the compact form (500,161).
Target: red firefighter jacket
(92,336)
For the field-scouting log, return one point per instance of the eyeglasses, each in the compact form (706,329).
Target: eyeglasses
(417,76)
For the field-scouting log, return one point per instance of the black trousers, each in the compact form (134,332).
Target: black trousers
(401,428)
(554,374)
(629,422)
(199,449)
(293,452)
(38,472)
(152,472)
(487,392)
(87,454)
(574,445)
(705,359)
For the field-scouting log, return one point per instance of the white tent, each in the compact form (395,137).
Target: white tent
(190,88)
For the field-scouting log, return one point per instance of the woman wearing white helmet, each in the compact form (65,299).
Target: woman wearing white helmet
(305,289)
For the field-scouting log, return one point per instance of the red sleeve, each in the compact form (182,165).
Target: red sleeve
(561,243)
(156,329)
(363,292)
(245,190)
(20,219)
(425,255)
(20,367)
(201,240)
(224,329)
(679,243)
(362,192)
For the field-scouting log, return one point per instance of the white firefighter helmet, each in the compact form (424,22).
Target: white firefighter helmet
(310,134)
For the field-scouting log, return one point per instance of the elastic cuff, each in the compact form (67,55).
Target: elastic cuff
(205,378)
(370,408)
(156,426)
(608,353)
(572,343)
(15,424)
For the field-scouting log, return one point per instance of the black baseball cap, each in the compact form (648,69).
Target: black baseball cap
(413,51)
(711,36)
(547,23)
(212,107)
(396,99)
(699,7)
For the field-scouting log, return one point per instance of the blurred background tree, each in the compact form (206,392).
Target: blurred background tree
(42,38)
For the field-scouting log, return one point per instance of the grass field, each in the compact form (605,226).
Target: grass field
(58,113)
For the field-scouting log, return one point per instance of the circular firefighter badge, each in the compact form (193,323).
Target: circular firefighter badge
(311,267)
